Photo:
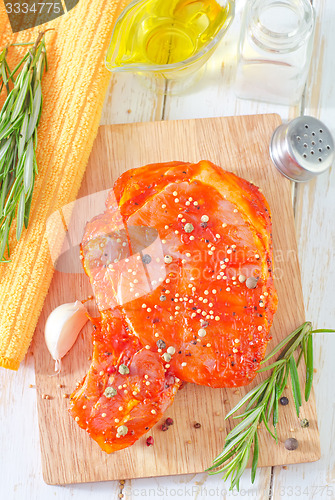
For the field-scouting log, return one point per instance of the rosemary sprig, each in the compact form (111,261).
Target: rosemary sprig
(261,404)
(19,118)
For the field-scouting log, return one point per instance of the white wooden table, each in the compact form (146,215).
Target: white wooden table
(314,205)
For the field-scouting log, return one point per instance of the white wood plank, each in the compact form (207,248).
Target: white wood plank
(20,462)
(315,481)
(315,210)
(196,486)
(129,101)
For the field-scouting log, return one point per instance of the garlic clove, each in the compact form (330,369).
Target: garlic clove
(62,329)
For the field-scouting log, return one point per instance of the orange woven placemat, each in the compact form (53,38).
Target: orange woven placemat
(73,90)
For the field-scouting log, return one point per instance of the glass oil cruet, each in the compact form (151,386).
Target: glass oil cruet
(168,42)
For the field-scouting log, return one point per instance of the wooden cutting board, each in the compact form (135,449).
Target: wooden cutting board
(239,144)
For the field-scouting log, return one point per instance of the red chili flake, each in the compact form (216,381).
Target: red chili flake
(150,441)
(169,421)
(164,427)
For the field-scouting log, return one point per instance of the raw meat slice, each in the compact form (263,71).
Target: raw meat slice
(182,259)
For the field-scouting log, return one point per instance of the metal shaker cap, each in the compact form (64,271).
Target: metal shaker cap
(302,148)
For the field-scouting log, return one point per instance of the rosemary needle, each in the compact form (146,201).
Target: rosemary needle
(261,404)
(19,118)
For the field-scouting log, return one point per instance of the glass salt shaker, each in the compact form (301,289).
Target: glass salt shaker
(275,50)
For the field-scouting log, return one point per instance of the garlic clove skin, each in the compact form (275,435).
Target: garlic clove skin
(62,329)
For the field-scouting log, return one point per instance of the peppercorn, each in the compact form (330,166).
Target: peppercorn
(251,282)
(283,401)
(291,444)
(122,430)
(169,421)
(123,369)
(150,441)
(146,259)
(304,423)
(197,425)
(161,344)
(110,392)
(164,427)
(188,228)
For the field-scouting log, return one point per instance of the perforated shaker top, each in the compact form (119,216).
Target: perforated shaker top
(302,148)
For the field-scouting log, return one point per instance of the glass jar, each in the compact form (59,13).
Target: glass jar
(275,50)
